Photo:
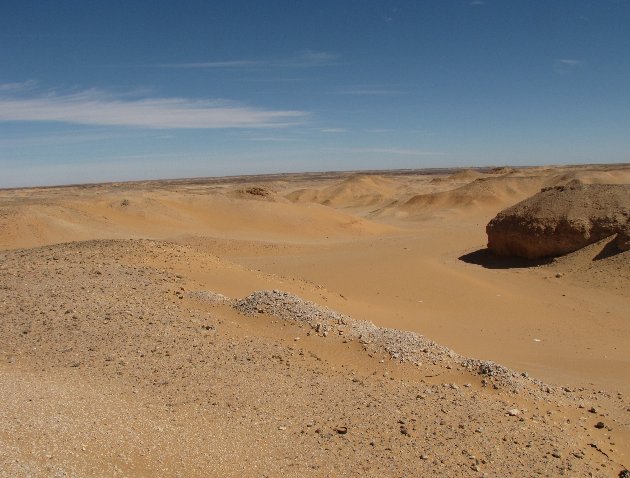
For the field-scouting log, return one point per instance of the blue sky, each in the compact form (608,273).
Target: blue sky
(117,90)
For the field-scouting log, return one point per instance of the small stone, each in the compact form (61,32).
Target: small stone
(341,430)
(599,425)
(424,456)
(592,410)
(404,430)
(556,454)
(513,412)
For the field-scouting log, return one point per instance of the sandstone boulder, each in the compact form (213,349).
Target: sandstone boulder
(562,219)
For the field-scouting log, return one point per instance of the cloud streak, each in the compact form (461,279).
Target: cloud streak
(95,107)
(333,130)
(569,62)
(566,65)
(391,151)
(306,59)
(20,86)
(274,139)
(367,91)
(71,137)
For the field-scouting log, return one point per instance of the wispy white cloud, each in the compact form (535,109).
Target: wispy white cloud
(392,151)
(318,56)
(18,86)
(333,130)
(276,80)
(215,64)
(96,107)
(570,62)
(368,91)
(566,65)
(379,130)
(72,137)
(274,139)
(305,59)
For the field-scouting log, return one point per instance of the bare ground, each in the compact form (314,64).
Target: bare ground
(133,341)
(111,367)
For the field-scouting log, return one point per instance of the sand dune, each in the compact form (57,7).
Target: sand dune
(355,191)
(497,192)
(466,175)
(621,176)
(482,194)
(164,214)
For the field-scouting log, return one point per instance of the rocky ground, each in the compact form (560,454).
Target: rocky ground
(112,366)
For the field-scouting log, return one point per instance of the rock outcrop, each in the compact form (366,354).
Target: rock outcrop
(623,238)
(562,219)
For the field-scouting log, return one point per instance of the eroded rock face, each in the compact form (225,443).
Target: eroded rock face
(562,219)
(623,238)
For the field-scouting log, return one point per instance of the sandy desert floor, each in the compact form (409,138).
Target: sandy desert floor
(131,343)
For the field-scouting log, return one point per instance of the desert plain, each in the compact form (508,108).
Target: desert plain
(321,324)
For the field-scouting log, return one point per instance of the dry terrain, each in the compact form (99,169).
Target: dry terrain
(337,324)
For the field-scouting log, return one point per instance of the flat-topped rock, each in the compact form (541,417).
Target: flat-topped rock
(562,219)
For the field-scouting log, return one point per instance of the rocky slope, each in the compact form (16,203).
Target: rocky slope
(112,366)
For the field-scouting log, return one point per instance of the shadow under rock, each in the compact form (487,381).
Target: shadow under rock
(609,250)
(487,259)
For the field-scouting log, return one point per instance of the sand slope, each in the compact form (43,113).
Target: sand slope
(355,191)
(118,367)
(480,194)
(45,220)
